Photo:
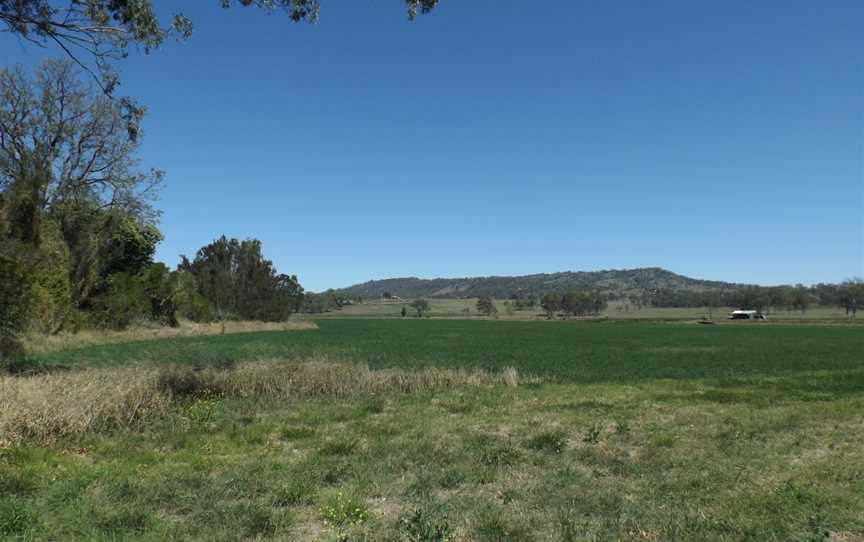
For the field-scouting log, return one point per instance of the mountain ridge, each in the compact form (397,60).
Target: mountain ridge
(616,282)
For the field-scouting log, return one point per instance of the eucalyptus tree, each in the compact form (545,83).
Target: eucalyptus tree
(62,146)
(75,204)
(239,282)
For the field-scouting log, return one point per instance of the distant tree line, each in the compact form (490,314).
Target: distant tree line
(579,303)
(848,295)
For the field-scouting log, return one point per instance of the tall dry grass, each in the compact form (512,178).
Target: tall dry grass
(44,408)
(40,343)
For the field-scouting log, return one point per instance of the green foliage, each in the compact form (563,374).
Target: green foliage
(74,210)
(151,295)
(50,304)
(124,303)
(577,303)
(128,245)
(15,288)
(237,281)
(582,303)
(34,284)
(191,304)
(160,288)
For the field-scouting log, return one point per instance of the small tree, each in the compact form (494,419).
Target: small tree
(851,296)
(551,304)
(404,312)
(421,306)
(486,306)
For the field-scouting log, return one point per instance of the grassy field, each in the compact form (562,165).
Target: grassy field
(38,343)
(467,308)
(566,431)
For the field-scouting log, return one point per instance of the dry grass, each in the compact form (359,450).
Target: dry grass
(46,407)
(40,343)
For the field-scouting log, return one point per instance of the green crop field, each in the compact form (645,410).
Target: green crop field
(563,351)
(605,431)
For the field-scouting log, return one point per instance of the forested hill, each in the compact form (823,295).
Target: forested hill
(616,281)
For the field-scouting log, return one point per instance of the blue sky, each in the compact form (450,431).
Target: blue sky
(720,140)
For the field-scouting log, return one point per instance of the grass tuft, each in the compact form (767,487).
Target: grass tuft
(548,441)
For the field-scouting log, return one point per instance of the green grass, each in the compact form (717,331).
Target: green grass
(564,351)
(639,432)
(538,463)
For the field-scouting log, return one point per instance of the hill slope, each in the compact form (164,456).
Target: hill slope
(614,281)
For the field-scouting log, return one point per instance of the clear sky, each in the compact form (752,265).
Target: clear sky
(720,140)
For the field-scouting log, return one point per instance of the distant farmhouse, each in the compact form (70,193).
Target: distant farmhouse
(746,315)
